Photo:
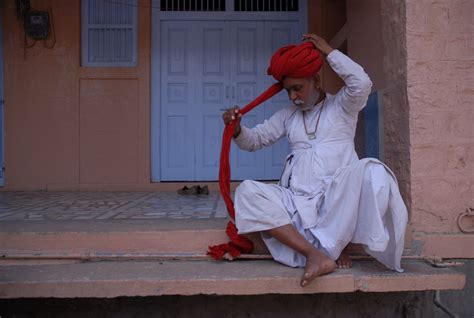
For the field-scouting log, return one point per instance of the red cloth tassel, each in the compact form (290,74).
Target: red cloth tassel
(238,244)
(296,61)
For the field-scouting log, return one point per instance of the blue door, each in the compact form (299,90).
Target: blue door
(373,143)
(205,66)
(2,158)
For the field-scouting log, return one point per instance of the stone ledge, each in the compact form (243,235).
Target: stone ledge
(145,278)
(20,238)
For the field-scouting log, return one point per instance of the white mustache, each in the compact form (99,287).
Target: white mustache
(301,105)
(298,102)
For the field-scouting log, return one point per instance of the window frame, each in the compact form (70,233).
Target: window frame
(85,27)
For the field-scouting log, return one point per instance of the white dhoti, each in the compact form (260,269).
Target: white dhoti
(325,191)
(360,204)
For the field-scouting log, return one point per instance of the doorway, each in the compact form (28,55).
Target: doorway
(207,66)
(201,63)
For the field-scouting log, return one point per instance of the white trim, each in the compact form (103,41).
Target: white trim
(229,15)
(155,118)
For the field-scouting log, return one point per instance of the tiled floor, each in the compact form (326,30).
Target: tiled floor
(60,206)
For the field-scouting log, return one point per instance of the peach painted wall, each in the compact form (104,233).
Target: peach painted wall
(325,19)
(364,38)
(73,128)
(393,94)
(440,60)
(65,124)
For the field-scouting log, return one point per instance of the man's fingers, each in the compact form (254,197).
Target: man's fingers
(310,37)
(231,114)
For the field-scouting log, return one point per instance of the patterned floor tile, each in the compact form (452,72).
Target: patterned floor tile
(63,206)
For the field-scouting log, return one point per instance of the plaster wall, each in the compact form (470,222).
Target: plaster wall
(364,38)
(68,126)
(440,92)
(394,95)
(328,18)
(65,124)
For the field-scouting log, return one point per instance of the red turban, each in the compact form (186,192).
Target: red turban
(295,61)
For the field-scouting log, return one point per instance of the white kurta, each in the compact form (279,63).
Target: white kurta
(325,191)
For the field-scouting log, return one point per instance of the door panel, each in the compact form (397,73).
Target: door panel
(247,71)
(177,99)
(278,34)
(206,66)
(213,93)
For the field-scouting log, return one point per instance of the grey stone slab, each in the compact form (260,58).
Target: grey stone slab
(147,278)
(65,206)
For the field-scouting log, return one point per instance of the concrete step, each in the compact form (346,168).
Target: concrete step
(97,239)
(242,277)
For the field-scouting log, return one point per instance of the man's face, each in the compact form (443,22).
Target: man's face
(303,92)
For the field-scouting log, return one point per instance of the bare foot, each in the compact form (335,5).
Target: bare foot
(344,261)
(317,264)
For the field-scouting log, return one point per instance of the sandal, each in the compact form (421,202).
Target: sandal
(187,191)
(204,190)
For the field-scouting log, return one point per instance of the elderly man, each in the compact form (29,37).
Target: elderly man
(327,197)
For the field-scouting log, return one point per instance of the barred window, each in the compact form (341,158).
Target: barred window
(266,5)
(192,5)
(109,33)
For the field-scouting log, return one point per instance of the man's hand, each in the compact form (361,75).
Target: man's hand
(231,114)
(319,43)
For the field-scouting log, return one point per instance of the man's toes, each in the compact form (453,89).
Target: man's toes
(306,279)
(344,264)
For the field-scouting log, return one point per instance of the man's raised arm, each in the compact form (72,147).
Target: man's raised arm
(353,96)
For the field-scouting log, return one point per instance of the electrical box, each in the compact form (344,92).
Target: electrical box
(37,24)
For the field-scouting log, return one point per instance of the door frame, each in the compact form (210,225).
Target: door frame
(157,17)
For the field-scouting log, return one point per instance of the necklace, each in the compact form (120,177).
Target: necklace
(312,135)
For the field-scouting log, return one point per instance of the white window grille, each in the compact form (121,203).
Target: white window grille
(109,33)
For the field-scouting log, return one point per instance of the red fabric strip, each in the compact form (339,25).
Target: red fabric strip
(294,61)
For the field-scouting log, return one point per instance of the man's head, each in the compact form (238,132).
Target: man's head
(304,92)
(295,66)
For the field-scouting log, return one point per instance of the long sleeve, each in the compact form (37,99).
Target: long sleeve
(353,96)
(265,134)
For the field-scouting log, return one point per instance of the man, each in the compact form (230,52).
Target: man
(327,197)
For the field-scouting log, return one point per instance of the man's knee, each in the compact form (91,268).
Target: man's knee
(245,188)
(374,171)
(377,177)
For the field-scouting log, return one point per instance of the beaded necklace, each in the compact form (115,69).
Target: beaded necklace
(312,135)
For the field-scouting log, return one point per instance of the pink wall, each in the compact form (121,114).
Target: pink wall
(394,95)
(74,128)
(364,38)
(68,125)
(440,64)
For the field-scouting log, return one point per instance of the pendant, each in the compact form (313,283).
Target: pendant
(312,136)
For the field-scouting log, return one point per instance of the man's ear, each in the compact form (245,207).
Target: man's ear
(317,81)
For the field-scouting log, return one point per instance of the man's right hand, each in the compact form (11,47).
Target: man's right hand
(231,114)
(319,43)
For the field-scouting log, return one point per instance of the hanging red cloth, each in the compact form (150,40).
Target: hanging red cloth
(297,61)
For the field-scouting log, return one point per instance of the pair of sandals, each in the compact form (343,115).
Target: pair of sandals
(194,190)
